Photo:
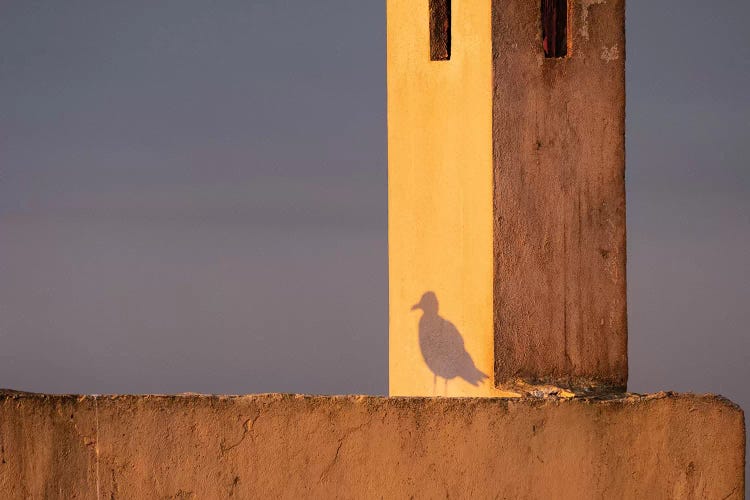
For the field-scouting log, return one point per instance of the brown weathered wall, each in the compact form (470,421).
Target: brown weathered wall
(267,446)
(559,213)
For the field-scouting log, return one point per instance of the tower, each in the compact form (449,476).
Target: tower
(506,153)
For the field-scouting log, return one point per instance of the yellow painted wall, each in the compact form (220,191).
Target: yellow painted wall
(439,190)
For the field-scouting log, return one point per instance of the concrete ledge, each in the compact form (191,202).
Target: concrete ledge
(192,446)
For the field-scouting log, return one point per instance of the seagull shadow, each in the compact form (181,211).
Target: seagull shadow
(442,346)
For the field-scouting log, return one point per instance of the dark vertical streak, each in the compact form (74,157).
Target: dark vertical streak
(565,298)
(581,324)
(555,28)
(440,30)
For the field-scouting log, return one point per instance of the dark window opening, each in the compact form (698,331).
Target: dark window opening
(440,30)
(555,28)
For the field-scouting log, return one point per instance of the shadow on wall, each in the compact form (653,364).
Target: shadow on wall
(442,346)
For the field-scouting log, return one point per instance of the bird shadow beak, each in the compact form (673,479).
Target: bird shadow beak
(414,307)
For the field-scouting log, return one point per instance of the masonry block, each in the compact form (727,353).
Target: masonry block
(285,446)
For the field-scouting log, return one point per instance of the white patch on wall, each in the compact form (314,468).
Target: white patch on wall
(610,54)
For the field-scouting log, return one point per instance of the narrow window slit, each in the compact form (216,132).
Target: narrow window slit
(555,28)
(440,30)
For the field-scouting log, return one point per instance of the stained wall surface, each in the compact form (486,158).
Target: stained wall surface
(284,446)
(559,173)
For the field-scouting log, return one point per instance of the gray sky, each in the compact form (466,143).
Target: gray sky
(193,196)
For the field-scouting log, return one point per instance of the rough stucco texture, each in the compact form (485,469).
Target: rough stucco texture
(267,446)
(559,164)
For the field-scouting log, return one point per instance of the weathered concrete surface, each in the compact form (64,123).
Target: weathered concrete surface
(559,170)
(269,446)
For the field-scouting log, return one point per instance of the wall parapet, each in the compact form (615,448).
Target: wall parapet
(198,446)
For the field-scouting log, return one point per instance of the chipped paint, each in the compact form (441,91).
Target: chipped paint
(543,390)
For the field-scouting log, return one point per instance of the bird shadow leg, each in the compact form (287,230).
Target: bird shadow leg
(434,384)
(445,388)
